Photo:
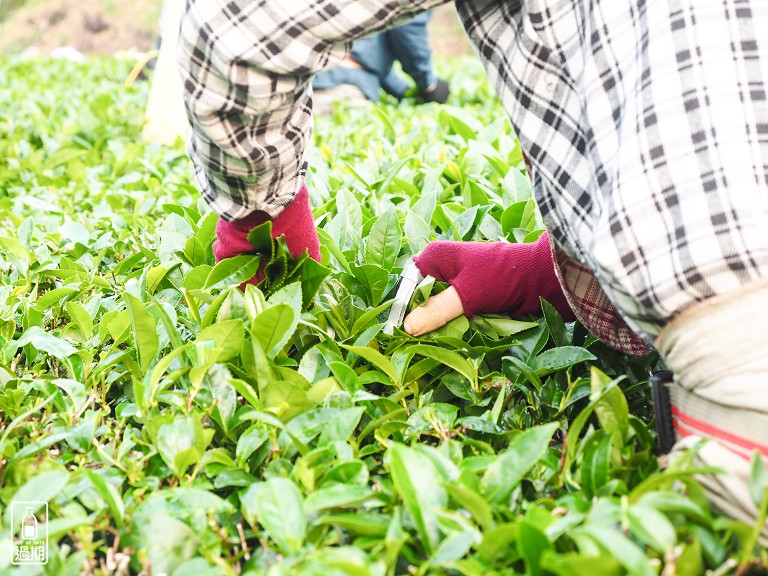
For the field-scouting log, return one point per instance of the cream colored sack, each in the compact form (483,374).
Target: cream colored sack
(718,351)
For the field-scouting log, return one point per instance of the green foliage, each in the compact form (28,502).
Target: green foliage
(181,425)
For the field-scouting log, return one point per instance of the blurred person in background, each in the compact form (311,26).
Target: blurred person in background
(368,69)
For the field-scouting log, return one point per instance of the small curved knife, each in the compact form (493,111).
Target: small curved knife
(409,279)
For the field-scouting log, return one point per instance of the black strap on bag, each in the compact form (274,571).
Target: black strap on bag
(662,409)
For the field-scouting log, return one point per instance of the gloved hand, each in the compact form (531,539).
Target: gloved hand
(295,222)
(438,92)
(487,277)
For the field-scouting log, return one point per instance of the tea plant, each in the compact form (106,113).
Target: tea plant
(176,424)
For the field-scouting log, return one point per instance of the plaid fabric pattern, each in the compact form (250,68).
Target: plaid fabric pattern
(592,306)
(247,68)
(646,124)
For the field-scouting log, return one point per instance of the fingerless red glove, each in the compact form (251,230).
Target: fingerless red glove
(295,222)
(497,276)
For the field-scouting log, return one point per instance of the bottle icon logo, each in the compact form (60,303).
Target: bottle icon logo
(29,526)
(29,532)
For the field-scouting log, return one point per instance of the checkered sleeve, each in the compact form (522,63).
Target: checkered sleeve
(246,68)
(646,124)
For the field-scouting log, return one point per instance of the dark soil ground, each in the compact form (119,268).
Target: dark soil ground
(91,26)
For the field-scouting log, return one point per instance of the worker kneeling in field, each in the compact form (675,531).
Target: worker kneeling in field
(646,126)
(369,69)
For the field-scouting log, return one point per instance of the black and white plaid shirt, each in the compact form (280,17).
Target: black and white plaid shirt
(646,123)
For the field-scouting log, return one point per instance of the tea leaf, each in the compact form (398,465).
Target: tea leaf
(377,359)
(46,342)
(418,484)
(227,338)
(277,505)
(506,471)
(383,243)
(273,327)
(232,271)
(652,527)
(181,443)
(612,409)
(41,488)
(560,358)
(758,480)
(447,357)
(622,548)
(144,331)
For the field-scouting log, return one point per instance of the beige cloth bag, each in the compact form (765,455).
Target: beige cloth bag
(718,352)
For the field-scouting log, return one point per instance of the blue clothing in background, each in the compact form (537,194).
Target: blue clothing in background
(407,44)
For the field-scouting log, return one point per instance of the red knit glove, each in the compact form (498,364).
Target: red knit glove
(490,277)
(295,222)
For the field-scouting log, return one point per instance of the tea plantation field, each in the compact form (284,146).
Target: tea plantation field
(177,425)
